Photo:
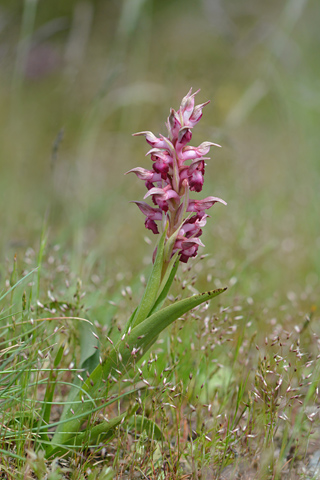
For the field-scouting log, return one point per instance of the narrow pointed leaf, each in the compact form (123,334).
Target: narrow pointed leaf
(104,431)
(174,262)
(50,389)
(89,347)
(121,359)
(140,424)
(152,288)
(166,288)
(156,323)
(17,283)
(68,428)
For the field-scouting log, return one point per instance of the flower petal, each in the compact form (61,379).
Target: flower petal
(150,212)
(145,174)
(202,205)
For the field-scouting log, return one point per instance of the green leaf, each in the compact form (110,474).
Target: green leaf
(89,355)
(129,322)
(122,358)
(17,283)
(63,439)
(172,270)
(174,262)
(152,288)
(140,423)
(104,431)
(89,347)
(159,321)
(49,393)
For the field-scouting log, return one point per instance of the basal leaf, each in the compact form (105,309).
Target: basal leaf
(104,431)
(122,357)
(89,347)
(140,423)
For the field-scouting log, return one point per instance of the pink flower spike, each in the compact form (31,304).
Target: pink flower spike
(177,170)
(205,204)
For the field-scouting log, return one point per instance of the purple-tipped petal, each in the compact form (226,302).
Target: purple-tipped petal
(184,135)
(189,248)
(154,141)
(144,174)
(173,124)
(197,114)
(161,196)
(196,181)
(191,153)
(162,163)
(150,212)
(151,225)
(202,205)
(195,175)
(165,194)
(187,106)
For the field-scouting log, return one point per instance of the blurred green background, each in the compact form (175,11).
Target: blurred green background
(77,78)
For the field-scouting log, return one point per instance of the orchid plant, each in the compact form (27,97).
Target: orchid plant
(177,169)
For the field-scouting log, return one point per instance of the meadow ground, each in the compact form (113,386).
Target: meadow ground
(233,386)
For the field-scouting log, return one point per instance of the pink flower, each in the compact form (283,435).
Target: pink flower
(161,196)
(147,175)
(191,153)
(173,124)
(152,214)
(191,114)
(188,248)
(155,142)
(184,135)
(197,114)
(162,162)
(177,169)
(195,175)
(202,205)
